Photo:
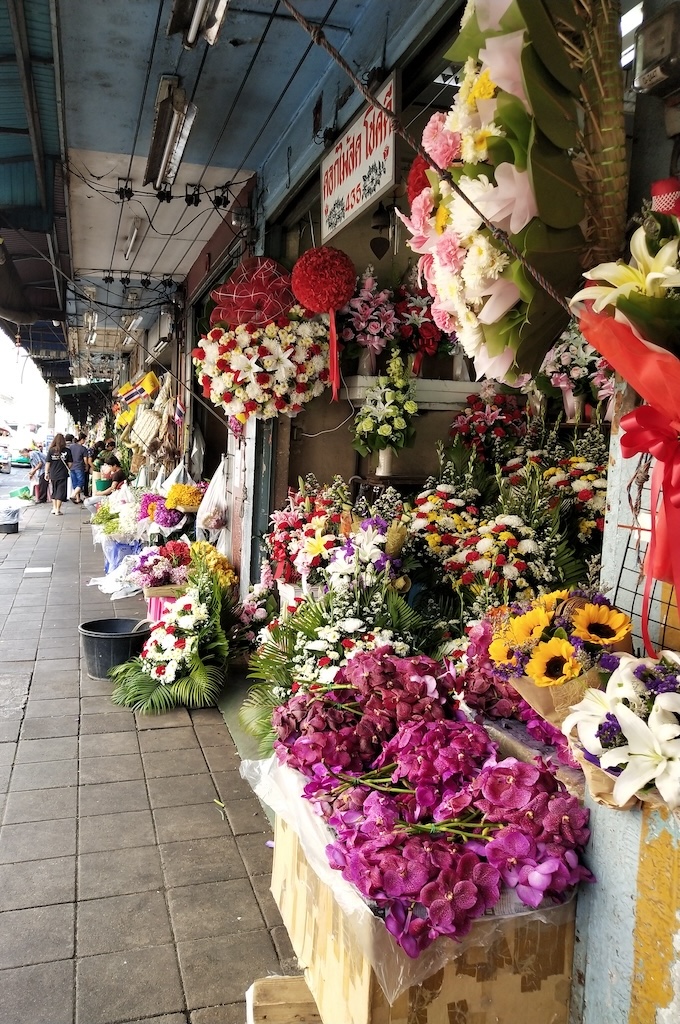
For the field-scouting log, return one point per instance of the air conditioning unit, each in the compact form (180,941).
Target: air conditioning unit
(159,335)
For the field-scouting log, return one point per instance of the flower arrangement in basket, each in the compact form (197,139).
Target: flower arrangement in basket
(428,824)
(549,649)
(385,418)
(266,370)
(630,729)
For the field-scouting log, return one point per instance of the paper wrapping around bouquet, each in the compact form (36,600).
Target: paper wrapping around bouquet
(553,703)
(601,787)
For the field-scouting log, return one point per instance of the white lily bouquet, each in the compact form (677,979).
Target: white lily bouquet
(631,730)
(384,420)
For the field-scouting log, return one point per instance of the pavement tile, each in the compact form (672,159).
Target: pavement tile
(104,924)
(5,773)
(45,775)
(37,883)
(48,689)
(62,748)
(109,744)
(7,753)
(100,706)
(46,668)
(214,908)
(195,821)
(214,735)
(116,872)
(257,856)
(181,790)
(113,722)
(231,786)
(222,759)
(210,860)
(202,963)
(35,840)
(113,797)
(163,763)
(115,768)
(207,716)
(119,987)
(37,708)
(232,1013)
(18,650)
(167,739)
(42,994)
(36,936)
(38,806)
(262,888)
(245,816)
(9,731)
(168,720)
(95,687)
(43,728)
(284,948)
(115,831)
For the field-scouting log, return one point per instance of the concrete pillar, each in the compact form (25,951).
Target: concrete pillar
(51,406)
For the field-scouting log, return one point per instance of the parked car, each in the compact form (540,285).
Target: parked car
(5,459)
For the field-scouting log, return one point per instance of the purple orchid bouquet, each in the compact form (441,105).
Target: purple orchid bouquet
(429,825)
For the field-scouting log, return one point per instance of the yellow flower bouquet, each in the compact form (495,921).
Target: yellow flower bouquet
(549,650)
(217,564)
(184,496)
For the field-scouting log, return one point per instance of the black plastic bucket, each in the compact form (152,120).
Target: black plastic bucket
(9,527)
(109,642)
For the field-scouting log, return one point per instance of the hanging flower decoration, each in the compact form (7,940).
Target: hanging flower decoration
(257,292)
(506,141)
(323,281)
(264,371)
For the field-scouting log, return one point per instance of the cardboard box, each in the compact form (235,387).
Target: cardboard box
(516,970)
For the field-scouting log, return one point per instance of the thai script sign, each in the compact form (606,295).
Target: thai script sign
(360,165)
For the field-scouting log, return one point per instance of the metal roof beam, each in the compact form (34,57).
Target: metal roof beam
(15,9)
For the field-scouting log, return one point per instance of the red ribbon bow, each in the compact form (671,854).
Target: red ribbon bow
(648,430)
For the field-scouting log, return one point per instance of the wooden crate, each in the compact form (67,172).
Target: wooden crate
(518,971)
(164,591)
(281,1000)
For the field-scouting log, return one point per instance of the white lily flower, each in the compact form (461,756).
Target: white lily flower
(645,274)
(588,715)
(652,753)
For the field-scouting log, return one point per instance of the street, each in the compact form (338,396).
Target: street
(10,481)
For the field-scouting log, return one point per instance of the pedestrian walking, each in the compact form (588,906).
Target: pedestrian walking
(37,459)
(79,458)
(56,472)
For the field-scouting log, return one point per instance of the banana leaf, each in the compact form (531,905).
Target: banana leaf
(558,11)
(555,184)
(549,48)
(471,38)
(554,107)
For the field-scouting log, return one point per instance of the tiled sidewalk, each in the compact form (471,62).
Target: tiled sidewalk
(124,896)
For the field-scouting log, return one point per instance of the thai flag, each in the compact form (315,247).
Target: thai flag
(134,395)
(180,412)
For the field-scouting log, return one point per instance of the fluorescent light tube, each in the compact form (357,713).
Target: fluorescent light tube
(132,239)
(174,118)
(135,323)
(196,19)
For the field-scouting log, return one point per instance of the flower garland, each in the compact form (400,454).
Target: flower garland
(384,419)
(264,371)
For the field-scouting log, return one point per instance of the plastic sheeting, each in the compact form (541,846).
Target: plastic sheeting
(281,788)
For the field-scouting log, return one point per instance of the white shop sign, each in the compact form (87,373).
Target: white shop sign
(360,166)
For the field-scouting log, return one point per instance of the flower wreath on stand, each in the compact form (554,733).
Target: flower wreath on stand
(270,362)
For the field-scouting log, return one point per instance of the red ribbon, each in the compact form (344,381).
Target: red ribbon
(650,431)
(334,356)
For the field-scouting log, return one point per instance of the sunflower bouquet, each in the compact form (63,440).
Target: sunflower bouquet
(550,649)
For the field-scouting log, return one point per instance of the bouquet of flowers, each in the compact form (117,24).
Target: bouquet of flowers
(184,496)
(631,729)
(264,371)
(154,508)
(369,320)
(371,548)
(573,367)
(304,535)
(258,607)
(491,425)
(418,333)
(218,565)
(429,825)
(384,419)
(167,565)
(184,660)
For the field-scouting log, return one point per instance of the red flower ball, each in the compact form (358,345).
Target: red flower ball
(323,279)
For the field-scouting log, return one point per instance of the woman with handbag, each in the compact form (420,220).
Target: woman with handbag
(57,472)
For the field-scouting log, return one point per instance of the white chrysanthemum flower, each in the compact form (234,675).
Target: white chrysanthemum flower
(527,547)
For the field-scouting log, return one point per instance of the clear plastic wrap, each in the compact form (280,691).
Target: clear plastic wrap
(212,512)
(280,788)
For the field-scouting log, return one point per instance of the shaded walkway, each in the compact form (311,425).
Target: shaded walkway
(124,896)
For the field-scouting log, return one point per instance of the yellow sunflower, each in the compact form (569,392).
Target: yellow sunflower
(553,663)
(529,626)
(599,624)
(551,600)
(500,650)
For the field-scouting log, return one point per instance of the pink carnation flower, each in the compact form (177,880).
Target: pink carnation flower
(440,143)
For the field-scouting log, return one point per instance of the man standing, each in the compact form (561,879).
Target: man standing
(37,459)
(79,463)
